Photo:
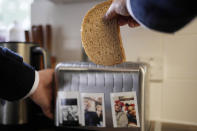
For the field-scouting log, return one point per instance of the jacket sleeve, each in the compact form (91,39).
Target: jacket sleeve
(163,15)
(16,77)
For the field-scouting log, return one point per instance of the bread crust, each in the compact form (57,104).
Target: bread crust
(99,50)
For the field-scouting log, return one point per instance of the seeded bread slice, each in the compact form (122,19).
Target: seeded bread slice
(100,38)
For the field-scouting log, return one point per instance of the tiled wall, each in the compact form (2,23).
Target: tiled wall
(180,81)
(173,97)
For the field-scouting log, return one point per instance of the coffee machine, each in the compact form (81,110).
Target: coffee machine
(19,112)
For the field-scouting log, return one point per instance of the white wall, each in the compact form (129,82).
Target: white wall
(174,84)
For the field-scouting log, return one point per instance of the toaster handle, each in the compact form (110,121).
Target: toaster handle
(45,54)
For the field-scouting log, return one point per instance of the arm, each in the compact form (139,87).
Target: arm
(18,78)
(118,9)
(161,15)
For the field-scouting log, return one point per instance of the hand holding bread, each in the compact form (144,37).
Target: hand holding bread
(118,9)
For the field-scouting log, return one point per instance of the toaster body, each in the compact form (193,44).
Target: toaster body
(86,77)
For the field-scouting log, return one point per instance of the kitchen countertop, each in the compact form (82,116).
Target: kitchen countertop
(158,126)
(155,126)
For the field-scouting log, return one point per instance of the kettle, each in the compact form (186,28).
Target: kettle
(18,112)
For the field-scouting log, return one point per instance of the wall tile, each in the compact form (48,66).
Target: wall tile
(155,101)
(142,46)
(180,56)
(179,101)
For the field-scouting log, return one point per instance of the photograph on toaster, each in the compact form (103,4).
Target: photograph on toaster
(93,111)
(69,109)
(124,109)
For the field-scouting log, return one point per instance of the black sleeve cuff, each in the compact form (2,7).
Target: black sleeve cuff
(16,77)
(164,15)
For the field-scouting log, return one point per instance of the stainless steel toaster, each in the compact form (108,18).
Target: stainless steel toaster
(86,77)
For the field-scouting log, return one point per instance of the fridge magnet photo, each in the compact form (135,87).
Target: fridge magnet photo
(69,109)
(93,110)
(124,109)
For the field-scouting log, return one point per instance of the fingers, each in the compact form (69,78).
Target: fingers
(132,23)
(47,106)
(48,113)
(111,13)
(43,94)
(122,20)
(121,8)
(118,9)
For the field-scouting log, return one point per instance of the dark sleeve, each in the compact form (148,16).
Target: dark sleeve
(16,77)
(164,15)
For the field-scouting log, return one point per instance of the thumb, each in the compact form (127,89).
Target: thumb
(111,12)
(48,113)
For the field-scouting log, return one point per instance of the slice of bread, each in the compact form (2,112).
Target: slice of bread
(101,38)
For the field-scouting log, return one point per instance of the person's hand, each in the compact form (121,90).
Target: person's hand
(119,10)
(43,94)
